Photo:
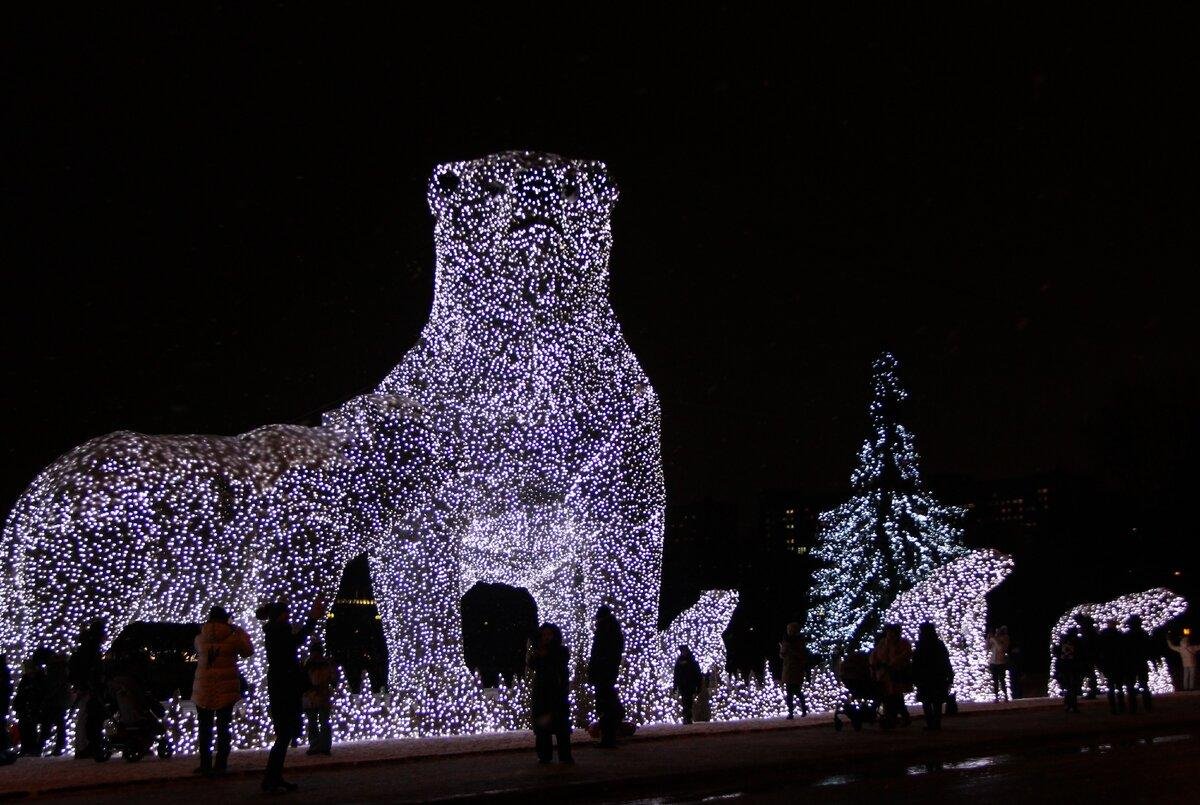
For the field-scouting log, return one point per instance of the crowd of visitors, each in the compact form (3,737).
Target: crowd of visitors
(112,686)
(1122,658)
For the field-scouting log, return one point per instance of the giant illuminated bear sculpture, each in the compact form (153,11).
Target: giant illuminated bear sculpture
(517,442)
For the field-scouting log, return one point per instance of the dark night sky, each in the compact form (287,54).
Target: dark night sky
(215,219)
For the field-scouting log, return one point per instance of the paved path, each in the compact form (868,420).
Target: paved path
(657,759)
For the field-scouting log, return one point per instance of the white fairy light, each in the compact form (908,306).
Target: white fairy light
(517,442)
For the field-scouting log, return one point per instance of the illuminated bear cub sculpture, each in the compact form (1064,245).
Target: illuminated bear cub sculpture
(517,442)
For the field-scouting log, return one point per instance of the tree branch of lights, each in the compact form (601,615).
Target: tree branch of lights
(953,598)
(1156,607)
(517,442)
(888,536)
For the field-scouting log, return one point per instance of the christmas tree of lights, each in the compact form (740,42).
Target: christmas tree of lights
(887,537)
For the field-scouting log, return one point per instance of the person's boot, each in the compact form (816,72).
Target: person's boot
(278,784)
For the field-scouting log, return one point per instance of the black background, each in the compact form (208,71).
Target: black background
(215,219)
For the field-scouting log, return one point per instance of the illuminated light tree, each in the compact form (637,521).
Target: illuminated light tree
(887,537)
(1156,607)
(517,442)
(954,599)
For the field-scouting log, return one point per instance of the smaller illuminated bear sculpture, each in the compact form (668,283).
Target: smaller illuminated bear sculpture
(1155,606)
(954,599)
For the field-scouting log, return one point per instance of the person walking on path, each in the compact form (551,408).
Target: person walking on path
(793,669)
(85,673)
(686,681)
(932,674)
(1016,688)
(217,686)
(285,684)
(318,700)
(1067,670)
(56,699)
(550,707)
(1112,662)
(1087,652)
(1139,653)
(27,704)
(6,695)
(1187,655)
(998,644)
(891,663)
(604,664)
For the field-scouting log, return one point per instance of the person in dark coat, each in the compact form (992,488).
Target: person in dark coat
(27,703)
(686,681)
(1087,648)
(56,698)
(1067,670)
(6,695)
(608,644)
(1016,671)
(86,675)
(932,674)
(1139,653)
(1112,661)
(286,682)
(550,707)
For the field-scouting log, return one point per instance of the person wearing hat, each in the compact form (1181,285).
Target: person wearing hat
(217,686)
(608,644)
(286,682)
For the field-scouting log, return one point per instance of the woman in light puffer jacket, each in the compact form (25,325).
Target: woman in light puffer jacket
(218,684)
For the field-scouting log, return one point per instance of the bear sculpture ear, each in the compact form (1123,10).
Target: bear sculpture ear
(444,186)
(600,185)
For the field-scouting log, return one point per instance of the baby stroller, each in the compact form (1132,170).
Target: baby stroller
(862,701)
(136,723)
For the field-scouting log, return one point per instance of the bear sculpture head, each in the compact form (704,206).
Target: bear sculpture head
(522,238)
